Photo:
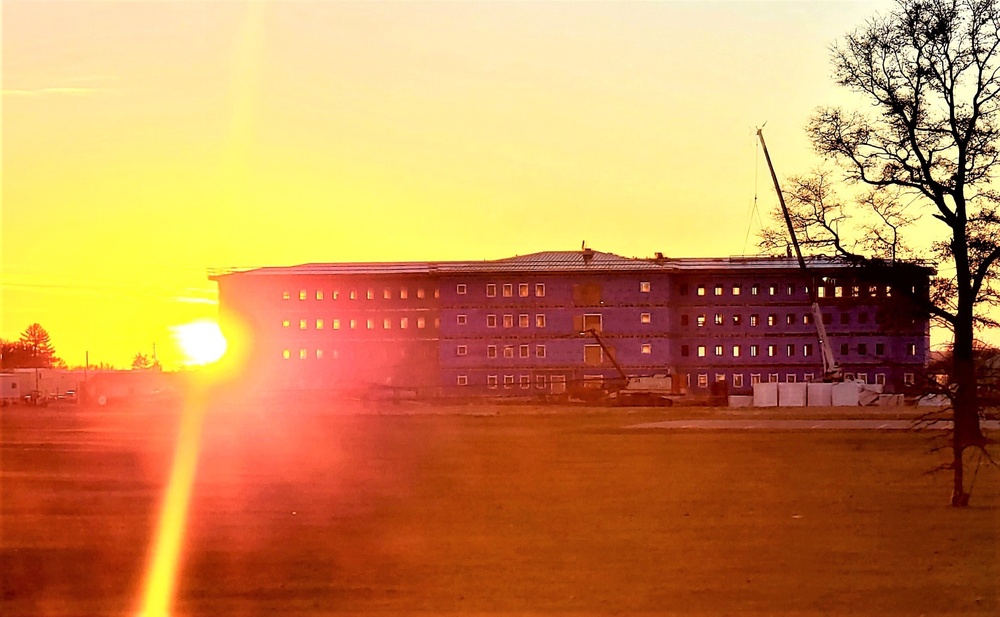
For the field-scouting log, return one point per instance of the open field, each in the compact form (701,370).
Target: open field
(497,510)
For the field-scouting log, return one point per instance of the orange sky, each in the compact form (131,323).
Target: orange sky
(146,142)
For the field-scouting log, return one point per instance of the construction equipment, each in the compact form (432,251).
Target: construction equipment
(652,390)
(831,369)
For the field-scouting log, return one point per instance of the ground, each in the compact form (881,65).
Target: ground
(490,510)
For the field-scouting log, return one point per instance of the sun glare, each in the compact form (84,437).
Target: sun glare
(201,342)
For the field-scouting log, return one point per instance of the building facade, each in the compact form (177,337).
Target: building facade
(546,322)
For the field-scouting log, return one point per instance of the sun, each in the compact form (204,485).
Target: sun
(201,342)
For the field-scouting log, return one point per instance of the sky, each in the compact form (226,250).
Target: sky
(147,142)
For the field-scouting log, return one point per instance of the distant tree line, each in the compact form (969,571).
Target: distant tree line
(32,350)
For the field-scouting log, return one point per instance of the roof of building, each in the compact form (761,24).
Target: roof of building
(585,260)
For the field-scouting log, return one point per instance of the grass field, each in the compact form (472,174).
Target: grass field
(490,511)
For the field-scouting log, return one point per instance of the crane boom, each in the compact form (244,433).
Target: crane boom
(831,369)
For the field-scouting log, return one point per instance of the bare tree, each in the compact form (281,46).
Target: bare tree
(929,72)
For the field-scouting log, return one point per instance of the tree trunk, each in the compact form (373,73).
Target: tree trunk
(966,431)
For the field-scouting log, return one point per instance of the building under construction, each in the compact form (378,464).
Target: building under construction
(540,323)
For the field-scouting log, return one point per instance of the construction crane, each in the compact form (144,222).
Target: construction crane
(649,391)
(831,369)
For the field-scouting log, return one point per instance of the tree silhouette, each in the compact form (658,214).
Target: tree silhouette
(141,362)
(35,348)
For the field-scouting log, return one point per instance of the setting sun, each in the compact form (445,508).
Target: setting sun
(201,342)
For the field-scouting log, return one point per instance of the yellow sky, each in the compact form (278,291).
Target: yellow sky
(145,142)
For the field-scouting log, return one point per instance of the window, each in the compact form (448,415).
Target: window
(880,378)
(879,349)
(386,293)
(508,351)
(461,350)
(508,321)
(772,377)
(525,381)
(421,322)
(404,323)
(524,351)
(821,291)
(592,355)
(491,321)
(644,287)
(737,289)
(719,377)
(303,294)
(491,351)
(862,377)
(807,319)
(336,324)
(387,324)
(754,351)
(437,292)
(522,290)
(420,293)
(754,378)
(404,293)
(772,319)
(437,322)
(285,323)
(862,317)
(790,290)
(462,380)
(738,380)
(370,324)
(807,377)
(718,290)
(303,354)
(845,349)
(702,380)
(838,292)
(754,320)
(539,351)
(736,351)
(754,289)
(790,378)
(319,294)
(790,350)
(592,322)
(302,324)
(772,351)
(460,320)
(523,321)
(491,382)
(855,291)
(685,351)
(845,318)
(370,294)
(354,324)
(908,379)
(508,292)
(286,354)
(646,318)
(319,324)
(718,319)
(646,348)
(827,319)
(790,319)
(685,320)
(285,295)
(771,290)
(540,292)
(539,320)
(460,289)
(354,294)
(539,381)
(491,292)
(701,290)
(862,349)
(737,320)
(701,351)
(718,350)
(911,349)
(336,294)
(807,349)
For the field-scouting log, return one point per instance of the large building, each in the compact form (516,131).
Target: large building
(543,322)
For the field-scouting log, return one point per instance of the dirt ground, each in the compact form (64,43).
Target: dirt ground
(489,510)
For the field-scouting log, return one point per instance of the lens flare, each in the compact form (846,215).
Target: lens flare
(201,342)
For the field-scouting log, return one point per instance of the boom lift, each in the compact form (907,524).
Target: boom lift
(831,369)
(653,390)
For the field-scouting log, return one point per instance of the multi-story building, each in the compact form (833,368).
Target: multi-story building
(543,322)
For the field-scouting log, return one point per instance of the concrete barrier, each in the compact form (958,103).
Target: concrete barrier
(846,394)
(819,394)
(765,395)
(792,394)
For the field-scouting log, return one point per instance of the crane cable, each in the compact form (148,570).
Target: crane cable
(753,205)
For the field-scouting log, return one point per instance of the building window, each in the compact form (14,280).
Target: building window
(420,293)
(644,287)
(460,289)
(685,320)
(737,320)
(421,322)
(772,378)
(718,350)
(370,324)
(702,380)
(353,295)
(772,319)
(880,378)
(701,321)
(848,376)
(790,350)
(845,349)
(491,292)
(303,324)
(821,291)
(404,293)
(790,290)
(525,381)
(879,349)
(592,321)
(862,317)
(701,351)
(593,355)
(508,292)
(908,379)
(370,294)
(404,323)
(807,377)
(303,294)
(463,380)
(508,351)
(807,319)
(303,354)
(911,349)
(336,294)
(539,351)
(524,351)
(523,321)
(354,324)
(754,350)
(754,320)
(838,292)
(286,354)
(807,349)
(738,380)
(491,351)
(701,290)
(862,377)
(827,319)
(790,319)
(285,295)
(771,290)
(790,378)
(845,318)
(437,293)
(539,381)
(461,350)
(539,320)
(386,293)
(386,324)
(460,320)
(862,349)
(646,348)
(491,382)
(720,377)
(736,351)
(319,294)
(286,323)
(508,321)
(646,318)
(685,350)
(772,351)
(508,382)
(522,290)
(737,289)
(540,290)
(718,319)
(336,324)
(491,321)
(754,378)
(319,324)
(718,290)
(754,289)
